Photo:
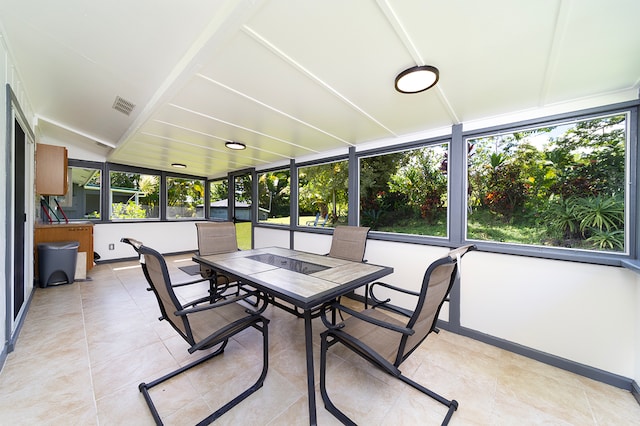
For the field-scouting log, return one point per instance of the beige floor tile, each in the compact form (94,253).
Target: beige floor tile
(85,347)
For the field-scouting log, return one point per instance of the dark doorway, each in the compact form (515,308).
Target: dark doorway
(19,219)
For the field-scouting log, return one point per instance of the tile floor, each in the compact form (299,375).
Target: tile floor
(85,347)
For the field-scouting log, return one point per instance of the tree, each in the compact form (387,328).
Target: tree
(325,187)
(421,178)
(274,191)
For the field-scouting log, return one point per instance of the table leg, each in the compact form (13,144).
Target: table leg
(311,391)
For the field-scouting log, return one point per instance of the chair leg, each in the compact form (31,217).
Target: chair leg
(144,387)
(452,405)
(328,404)
(257,385)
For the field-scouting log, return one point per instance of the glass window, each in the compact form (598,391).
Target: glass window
(274,192)
(218,196)
(185,198)
(323,195)
(82,200)
(243,197)
(560,186)
(406,192)
(134,195)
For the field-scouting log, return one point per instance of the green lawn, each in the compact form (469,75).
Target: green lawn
(243,229)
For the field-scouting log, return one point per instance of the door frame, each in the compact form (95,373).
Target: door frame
(231,180)
(15,114)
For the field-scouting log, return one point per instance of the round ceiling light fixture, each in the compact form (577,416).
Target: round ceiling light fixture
(235,145)
(417,79)
(179,165)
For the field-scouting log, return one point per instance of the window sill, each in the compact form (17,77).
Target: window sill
(633,265)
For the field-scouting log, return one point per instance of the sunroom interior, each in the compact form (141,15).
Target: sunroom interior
(525,146)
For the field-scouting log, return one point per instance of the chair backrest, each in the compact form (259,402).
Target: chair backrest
(160,282)
(216,238)
(436,285)
(349,242)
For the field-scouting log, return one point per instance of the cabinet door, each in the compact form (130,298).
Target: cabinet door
(51,170)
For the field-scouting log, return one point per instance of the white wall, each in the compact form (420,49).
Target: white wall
(267,237)
(588,314)
(581,312)
(165,237)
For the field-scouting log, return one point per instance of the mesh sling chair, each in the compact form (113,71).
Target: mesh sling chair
(136,244)
(216,238)
(203,326)
(349,243)
(385,341)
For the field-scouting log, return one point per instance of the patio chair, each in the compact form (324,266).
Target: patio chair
(216,238)
(136,244)
(316,221)
(349,243)
(385,341)
(208,326)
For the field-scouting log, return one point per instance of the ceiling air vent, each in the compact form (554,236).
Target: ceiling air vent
(123,105)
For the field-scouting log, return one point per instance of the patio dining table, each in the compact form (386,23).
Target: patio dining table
(305,280)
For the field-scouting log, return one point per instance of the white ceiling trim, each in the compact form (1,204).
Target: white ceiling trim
(401,32)
(72,130)
(315,78)
(277,111)
(241,127)
(408,43)
(562,18)
(180,141)
(220,28)
(216,137)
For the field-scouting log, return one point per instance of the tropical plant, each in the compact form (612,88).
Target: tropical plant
(600,213)
(607,240)
(561,217)
(129,210)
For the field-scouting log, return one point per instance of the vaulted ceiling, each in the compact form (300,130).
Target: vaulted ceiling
(296,79)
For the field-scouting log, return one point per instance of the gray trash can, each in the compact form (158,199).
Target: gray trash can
(57,262)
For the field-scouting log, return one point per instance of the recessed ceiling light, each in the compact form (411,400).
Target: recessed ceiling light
(235,145)
(417,79)
(179,165)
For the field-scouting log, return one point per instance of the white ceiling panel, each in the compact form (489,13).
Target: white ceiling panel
(294,79)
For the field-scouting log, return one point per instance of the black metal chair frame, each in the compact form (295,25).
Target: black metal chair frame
(215,291)
(218,338)
(335,334)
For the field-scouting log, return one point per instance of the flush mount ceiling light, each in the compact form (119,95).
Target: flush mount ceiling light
(417,79)
(179,165)
(235,145)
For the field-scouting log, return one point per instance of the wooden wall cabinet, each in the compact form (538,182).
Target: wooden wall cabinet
(51,170)
(81,232)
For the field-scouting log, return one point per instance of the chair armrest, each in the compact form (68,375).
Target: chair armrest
(378,302)
(228,301)
(392,287)
(361,316)
(199,280)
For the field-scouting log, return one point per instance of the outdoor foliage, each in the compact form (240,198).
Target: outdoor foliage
(324,189)
(183,197)
(567,182)
(142,193)
(274,192)
(405,191)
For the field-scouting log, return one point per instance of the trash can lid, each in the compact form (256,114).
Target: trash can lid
(59,245)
